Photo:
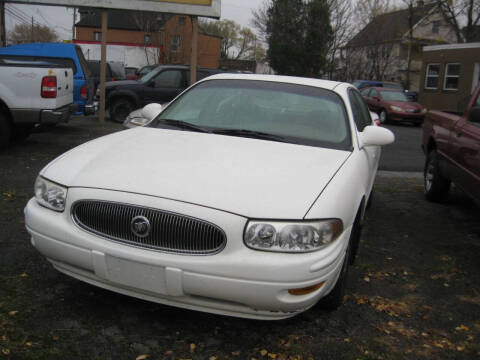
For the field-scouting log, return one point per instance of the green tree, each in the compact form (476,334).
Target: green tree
(298,35)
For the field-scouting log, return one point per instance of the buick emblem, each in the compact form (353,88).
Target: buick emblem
(140,226)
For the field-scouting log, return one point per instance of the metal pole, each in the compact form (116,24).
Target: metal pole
(31,35)
(3,34)
(103,67)
(193,60)
(74,19)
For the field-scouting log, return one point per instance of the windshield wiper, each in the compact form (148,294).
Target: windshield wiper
(182,125)
(249,133)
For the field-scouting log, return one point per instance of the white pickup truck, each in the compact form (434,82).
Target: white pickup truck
(32,93)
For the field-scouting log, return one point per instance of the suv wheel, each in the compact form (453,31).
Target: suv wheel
(120,109)
(435,185)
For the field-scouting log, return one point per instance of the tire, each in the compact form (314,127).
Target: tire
(383,117)
(20,133)
(435,185)
(334,299)
(120,109)
(371,198)
(5,131)
(354,241)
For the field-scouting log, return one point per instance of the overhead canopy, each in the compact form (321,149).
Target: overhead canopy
(207,8)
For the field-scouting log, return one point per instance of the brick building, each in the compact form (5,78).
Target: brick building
(170,33)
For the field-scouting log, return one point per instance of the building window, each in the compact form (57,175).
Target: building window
(452,75)
(175,44)
(431,77)
(97,36)
(435,27)
(148,39)
(182,20)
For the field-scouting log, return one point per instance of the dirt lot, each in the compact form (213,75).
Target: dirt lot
(413,293)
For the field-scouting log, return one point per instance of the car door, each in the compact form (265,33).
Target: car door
(164,87)
(375,100)
(361,116)
(466,153)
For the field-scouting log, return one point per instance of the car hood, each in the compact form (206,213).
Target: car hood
(250,177)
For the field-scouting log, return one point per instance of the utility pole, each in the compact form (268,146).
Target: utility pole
(31,35)
(3,34)
(103,65)
(74,20)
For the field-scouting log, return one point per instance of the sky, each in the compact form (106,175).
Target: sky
(61,19)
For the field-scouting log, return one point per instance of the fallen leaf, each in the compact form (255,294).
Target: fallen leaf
(12,313)
(236,353)
(347,340)
(28,343)
(168,353)
(460,348)
(272,356)
(446,285)
(192,347)
(141,357)
(6,351)
(366,279)
(212,358)
(389,258)
(263,352)
(24,275)
(462,328)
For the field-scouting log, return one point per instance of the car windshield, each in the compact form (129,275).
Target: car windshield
(393,86)
(393,96)
(270,110)
(150,75)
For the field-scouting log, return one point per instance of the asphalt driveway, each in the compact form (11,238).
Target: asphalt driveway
(414,292)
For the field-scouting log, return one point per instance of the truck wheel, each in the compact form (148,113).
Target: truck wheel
(120,109)
(20,133)
(5,131)
(435,185)
(383,116)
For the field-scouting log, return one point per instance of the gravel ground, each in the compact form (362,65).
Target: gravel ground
(414,292)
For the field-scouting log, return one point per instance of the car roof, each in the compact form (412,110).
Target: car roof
(325,84)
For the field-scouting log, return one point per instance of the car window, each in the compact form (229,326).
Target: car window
(83,62)
(60,61)
(374,93)
(169,79)
(361,114)
(365,92)
(393,96)
(300,114)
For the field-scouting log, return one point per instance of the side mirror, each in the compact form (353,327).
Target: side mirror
(474,115)
(375,136)
(144,116)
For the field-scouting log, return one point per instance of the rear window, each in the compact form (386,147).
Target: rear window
(63,62)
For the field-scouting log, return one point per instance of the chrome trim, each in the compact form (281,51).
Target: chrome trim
(167,229)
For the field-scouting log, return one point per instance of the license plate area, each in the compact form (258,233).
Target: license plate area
(136,275)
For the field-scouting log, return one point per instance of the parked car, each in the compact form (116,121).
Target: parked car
(393,105)
(61,54)
(451,144)
(161,85)
(115,71)
(131,73)
(237,199)
(32,93)
(360,84)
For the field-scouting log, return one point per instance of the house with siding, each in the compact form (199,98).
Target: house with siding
(380,51)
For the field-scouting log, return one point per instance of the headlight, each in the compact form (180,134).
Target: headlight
(396,108)
(50,195)
(305,236)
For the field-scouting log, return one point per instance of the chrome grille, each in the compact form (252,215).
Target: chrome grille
(169,232)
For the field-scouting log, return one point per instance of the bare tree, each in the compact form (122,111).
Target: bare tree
(260,18)
(367,10)
(455,11)
(23,33)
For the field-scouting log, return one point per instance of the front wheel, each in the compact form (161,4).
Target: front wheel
(436,186)
(120,109)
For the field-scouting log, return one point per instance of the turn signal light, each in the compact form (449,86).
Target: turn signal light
(306,290)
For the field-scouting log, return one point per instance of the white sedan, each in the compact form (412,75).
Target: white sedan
(245,196)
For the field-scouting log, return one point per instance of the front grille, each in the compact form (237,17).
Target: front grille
(169,232)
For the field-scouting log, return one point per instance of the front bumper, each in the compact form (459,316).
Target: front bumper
(401,116)
(237,281)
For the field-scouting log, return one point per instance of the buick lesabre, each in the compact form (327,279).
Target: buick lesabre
(245,196)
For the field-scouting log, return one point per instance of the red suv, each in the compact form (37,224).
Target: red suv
(393,105)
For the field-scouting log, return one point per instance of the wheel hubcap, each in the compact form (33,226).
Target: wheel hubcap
(429,176)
